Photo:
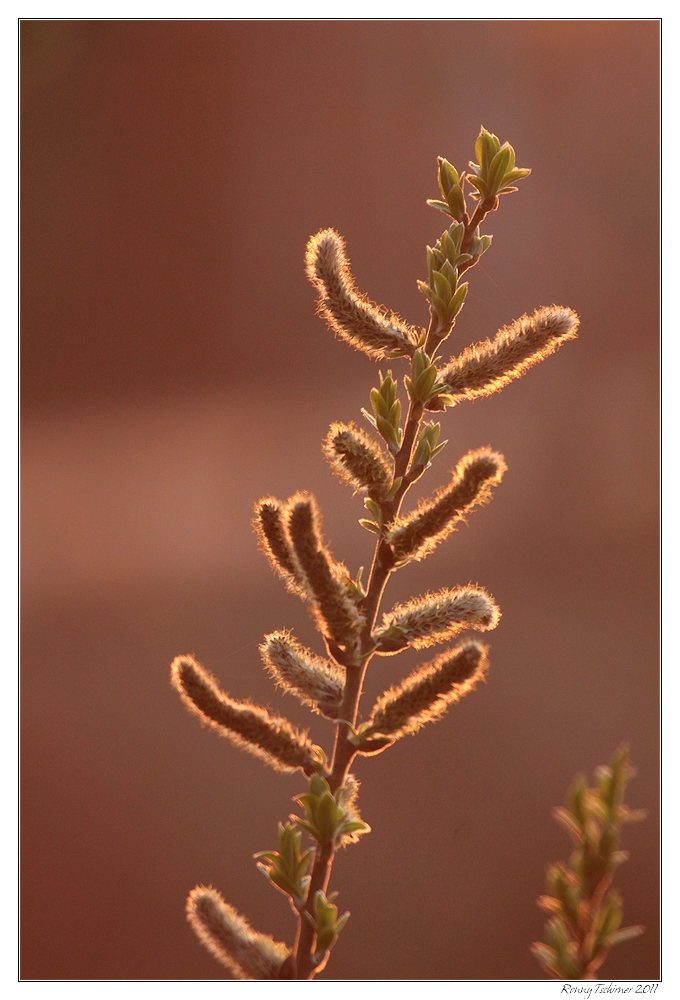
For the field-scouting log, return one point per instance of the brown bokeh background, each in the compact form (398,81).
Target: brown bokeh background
(174,372)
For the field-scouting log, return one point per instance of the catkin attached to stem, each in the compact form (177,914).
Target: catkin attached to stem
(316,682)
(336,611)
(418,533)
(269,527)
(230,939)
(353,316)
(357,460)
(270,738)
(486,367)
(424,621)
(425,694)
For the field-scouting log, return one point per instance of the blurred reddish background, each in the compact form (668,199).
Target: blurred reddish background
(174,371)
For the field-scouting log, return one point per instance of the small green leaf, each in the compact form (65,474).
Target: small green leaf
(441,205)
(369,525)
(441,286)
(624,934)
(456,202)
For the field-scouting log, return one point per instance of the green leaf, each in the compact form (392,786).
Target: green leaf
(456,202)
(449,273)
(369,525)
(458,299)
(441,286)
(479,184)
(441,205)
(394,488)
(515,175)
(448,177)
(624,934)
(374,508)
(387,431)
(425,289)
(440,306)
(497,169)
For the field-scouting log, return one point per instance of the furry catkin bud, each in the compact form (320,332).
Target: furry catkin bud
(230,939)
(486,367)
(274,740)
(357,460)
(271,533)
(417,534)
(336,612)
(425,695)
(349,314)
(437,617)
(315,681)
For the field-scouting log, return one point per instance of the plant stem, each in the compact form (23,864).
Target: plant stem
(344,751)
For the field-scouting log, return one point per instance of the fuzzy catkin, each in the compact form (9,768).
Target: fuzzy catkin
(269,527)
(271,534)
(357,460)
(230,939)
(270,738)
(349,314)
(317,683)
(336,612)
(417,534)
(437,617)
(484,368)
(425,694)
(348,801)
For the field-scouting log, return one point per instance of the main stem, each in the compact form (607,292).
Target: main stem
(355,666)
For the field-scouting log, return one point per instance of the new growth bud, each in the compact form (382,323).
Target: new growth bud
(451,185)
(386,412)
(332,819)
(425,695)
(485,368)
(426,449)
(585,913)
(417,534)
(442,290)
(326,925)
(495,173)
(272,739)
(423,385)
(353,316)
(316,682)
(286,867)
(230,939)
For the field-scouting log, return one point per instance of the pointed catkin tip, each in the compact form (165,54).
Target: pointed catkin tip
(230,939)
(268,524)
(325,255)
(351,315)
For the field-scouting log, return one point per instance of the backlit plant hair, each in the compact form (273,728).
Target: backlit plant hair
(382,464)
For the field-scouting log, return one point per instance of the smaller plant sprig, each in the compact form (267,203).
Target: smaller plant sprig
(585,913)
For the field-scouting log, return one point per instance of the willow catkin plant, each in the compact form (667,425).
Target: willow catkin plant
(585,912)
(382,464)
